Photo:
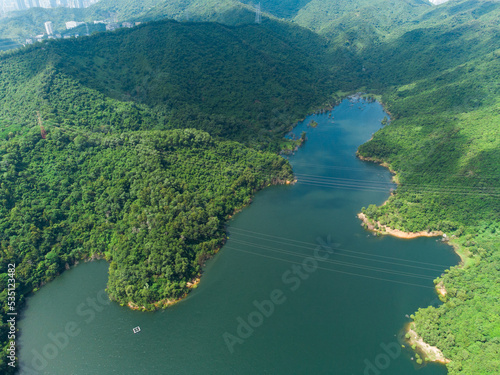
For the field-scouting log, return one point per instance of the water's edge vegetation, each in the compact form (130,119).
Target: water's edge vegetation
(152,136)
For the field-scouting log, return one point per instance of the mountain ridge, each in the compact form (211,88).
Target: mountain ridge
(435,69)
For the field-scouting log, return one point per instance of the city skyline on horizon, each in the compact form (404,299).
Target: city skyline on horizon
(13,5)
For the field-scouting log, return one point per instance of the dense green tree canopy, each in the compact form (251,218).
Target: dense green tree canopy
(140,163)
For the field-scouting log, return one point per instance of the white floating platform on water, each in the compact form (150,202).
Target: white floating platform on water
(136,329)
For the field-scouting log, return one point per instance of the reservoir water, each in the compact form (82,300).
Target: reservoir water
(299,288)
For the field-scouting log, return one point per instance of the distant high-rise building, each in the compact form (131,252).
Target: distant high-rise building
(49,28)
(75,4)
(32,3)
(11,5)
(47,3)
(8,5)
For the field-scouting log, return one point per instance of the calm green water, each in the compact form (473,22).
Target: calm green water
(299,288)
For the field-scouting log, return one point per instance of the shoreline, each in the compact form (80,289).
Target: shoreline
(373,160)
(193,283)
(440,288)
(385,230)
(395,232)
(430,353)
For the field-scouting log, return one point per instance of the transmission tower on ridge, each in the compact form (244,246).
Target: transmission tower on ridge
(258,14)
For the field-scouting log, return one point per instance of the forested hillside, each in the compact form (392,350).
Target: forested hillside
(444,145)
(73,195)
(357,23)
(152,203)
(244,83)
(440,82)
(437,70)
(286,9)
(6,44)
(114,100)
(230,12)
(22,24)
(114,174)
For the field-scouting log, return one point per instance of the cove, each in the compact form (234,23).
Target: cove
(299,288)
